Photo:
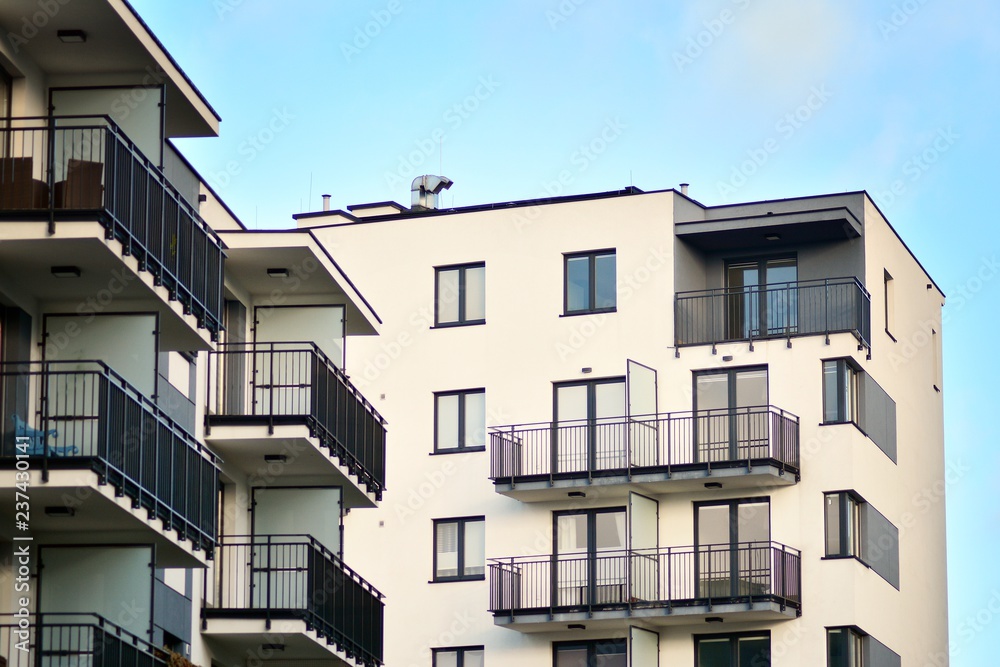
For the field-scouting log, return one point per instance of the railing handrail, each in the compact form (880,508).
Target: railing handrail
(644,418)
(790,284)
(648,552)
(252,347)
(99,622)
(106,371)
(122,136)
(306,540)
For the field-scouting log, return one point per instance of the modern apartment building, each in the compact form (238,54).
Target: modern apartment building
(633,429)
(180,442)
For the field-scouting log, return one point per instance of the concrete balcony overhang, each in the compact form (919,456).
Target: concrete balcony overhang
(682,479)
(120,49)
(794,227)
(99,516)
(311,272)
(618,619)
(280,641)
(292,451)
(110,281)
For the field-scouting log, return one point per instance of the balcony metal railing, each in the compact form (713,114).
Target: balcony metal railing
(281,383)
(54,640)
(60,166)
(780,310)
(649,443)
(294,576)
(647,578)
(82,414)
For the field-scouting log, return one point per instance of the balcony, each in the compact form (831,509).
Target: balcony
(752,581)
(290,405)
(780,310)
(670,452)
(94,440)
(76,169)
(74,639)
(292,587)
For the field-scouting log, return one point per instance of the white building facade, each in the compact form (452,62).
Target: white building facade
(633,429)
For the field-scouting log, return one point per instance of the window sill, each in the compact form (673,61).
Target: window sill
(598,311)
(454,325)
(452,580)
(463,450)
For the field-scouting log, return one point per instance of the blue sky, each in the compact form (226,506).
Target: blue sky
(744,99)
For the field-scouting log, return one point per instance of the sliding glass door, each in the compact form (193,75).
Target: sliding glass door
(762,301)
(591,433)
(731,542)
(590,562)
(731,415)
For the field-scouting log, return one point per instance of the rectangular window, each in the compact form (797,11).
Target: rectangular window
(853,528)
(459,549)
(590,282)
(460,295)
(840,392)
(843,525)
(890,303)
(462,656)
(593,653)
(742,650)
(852,647)
(460,421)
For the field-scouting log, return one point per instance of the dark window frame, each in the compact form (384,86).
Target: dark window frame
(854,396)
(734,512)
(734,638)
(459,652)
(853,633)
(462,320)
(590,645)
(461,393)
(591,256)
(849,548)
(460,542)
(731,374)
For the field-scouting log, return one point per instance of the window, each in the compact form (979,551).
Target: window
(852,647)
(595,653)
(731,414)
(462,656)
(460,421)
(843,525)
(590,414)
(459,549)
(460,295)
(589,569)
(590,282)
(890,304)
(730,537)
(853,528)
(851,395)
(762,298)
(742,650)
(840,392)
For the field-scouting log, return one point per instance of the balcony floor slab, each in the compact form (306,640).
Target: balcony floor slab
(245,637)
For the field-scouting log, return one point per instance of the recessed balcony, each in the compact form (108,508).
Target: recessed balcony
(780,310)
(105,463)
(664,453)
(282,410)
(293,588)
(81,191)
(744,582)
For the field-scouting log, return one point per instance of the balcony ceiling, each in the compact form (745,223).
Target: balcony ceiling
(106,283)
(794,228)
(312,273)
(119,49)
